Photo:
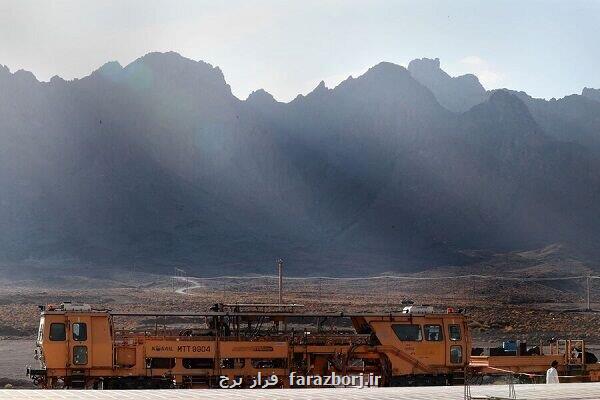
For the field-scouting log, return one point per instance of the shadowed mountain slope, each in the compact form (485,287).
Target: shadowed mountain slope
(158,164)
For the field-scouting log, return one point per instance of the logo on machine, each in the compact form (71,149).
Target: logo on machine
(162,348)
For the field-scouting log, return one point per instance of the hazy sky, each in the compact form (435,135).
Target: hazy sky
(547,48)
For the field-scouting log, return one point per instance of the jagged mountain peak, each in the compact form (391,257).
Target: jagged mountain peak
(506,99)
(320,86)
(383,77)
(503,101)
(57,80)
(425,64)
(470,78)
(174,63)
(167,57)
(387,88)
(504,114)
(504,96)
(20,75)
(109,68)
(590,93)
(260,94)
(261,97)
(170,72)
(25,76)
(457,94)
(319,90)
(385,70)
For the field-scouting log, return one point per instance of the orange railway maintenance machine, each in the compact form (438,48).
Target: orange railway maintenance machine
(79,347)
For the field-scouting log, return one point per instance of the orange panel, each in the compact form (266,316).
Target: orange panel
(126,356)
(101,343)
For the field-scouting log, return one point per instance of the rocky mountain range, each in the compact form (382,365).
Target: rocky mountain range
(158,164)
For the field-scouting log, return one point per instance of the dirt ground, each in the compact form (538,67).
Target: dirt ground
(15,354)
(498,309)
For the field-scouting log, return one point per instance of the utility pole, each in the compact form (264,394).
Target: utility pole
(280,271)
(588,294)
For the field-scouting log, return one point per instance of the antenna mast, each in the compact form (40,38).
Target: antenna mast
(280,271)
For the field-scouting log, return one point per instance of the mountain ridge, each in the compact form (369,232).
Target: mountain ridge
(435,61)
(158,163)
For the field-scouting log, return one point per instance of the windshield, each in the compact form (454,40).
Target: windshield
(40,336)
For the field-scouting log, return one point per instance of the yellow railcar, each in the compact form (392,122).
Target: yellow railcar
(81,347)
(274,346)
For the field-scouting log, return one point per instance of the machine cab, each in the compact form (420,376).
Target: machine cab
(74,337)
(422,341)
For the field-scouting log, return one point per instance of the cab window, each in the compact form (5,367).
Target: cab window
(80,355)
(408,333)
(57,332)
(456,354)
(79,332)
(433,333)
(454,332)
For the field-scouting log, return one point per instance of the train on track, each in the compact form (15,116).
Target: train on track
(275,345)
